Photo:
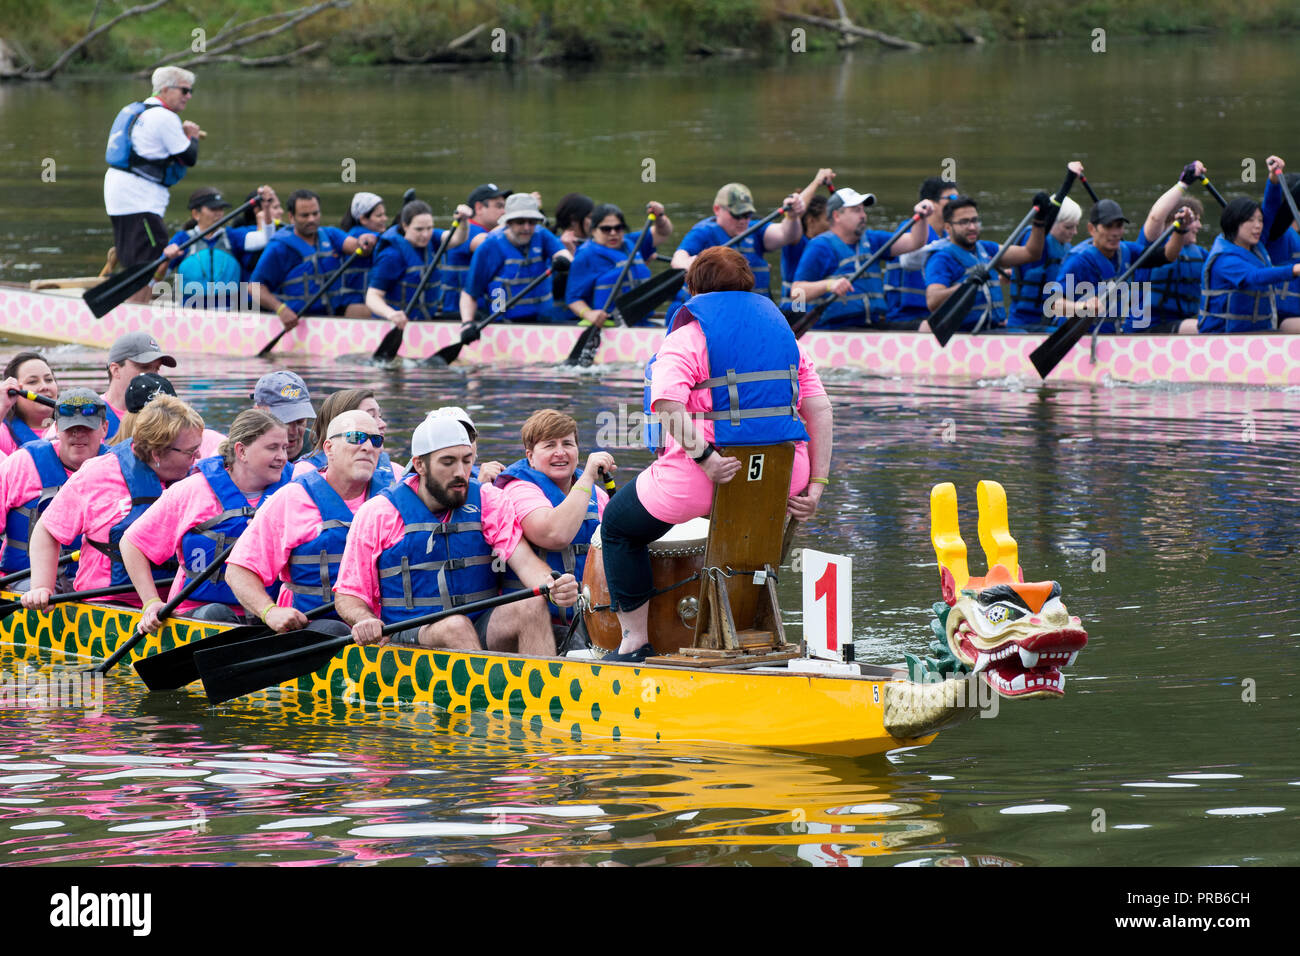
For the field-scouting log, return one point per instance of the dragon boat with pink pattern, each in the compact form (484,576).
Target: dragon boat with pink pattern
(1219,359)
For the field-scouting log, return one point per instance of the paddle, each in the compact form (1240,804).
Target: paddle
(1218,196)
(176,668)
(387,350)
(1278,220)
(807,321)
(239,669)
(329,281)
(8,607)
(1092,193)
(116,289)
(450,353)
(636,304)
(166,610)
(1048,355)
(33,397)
(947,319)
(26,572)
(584,350)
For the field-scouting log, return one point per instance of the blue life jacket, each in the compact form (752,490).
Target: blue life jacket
(414,262)
(318,263)
(202,543)
(715,235)
(381,479)
(868,295)
(1027,282)
(120,152)
(454,270)
(356,277)
(1285,250)
(753,369)
(614,259)
(990,297)
(437,564)
(207,265)
(1109,271)
(1175,287)
(905,288)
(22,432)
(314,564)
(144,487)
(517,269)
(114,423)
(1230,309)
(18,524)
(568,560)
(790,256)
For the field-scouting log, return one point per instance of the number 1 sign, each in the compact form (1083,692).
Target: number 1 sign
(827,603)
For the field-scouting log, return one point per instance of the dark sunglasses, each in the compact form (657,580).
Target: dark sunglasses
(609,230)
(188,91)
(89,411)
(360,438)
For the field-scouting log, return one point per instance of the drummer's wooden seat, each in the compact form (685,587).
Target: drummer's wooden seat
(738,613)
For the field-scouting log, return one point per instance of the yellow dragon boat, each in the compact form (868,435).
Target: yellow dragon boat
(999,638)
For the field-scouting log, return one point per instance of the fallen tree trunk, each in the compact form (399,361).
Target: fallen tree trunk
(840,26)
(71,51)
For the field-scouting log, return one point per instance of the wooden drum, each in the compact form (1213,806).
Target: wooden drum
(676,556)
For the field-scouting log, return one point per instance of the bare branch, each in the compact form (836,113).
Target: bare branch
(295,17)
(98,31)
(260,60)
(842,27)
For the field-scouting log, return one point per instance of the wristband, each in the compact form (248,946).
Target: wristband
(709,449)
(278,308)
(153,600)
(265,611)
(819,481)
(1183,185)
(585,489)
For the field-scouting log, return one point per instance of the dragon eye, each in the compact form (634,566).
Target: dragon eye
(999,613)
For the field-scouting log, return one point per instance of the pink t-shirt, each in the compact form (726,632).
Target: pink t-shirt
(674,488)
(286,521)
(94,499)
(210,443)
(526,497)
(9,444)
(20,482)
(181,508)
(378,526)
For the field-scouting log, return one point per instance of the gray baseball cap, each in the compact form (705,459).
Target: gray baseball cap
(285,395)
(139,347)
(83,398)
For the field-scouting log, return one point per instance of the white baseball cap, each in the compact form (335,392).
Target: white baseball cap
(436,433)
(845,197)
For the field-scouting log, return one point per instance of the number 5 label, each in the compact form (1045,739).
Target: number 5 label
(827,603)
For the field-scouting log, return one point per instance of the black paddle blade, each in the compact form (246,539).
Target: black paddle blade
(1048,355)
(249,666)
(176,668)
(8,607)
(446,355)
(807,320)
(266,349)
(948,318)
(387,350)
(636,304)
(116,289)
(579,347)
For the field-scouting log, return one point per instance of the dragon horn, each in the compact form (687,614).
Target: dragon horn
(995,537)
(949,547)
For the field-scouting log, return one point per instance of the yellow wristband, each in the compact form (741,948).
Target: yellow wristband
(154,600)
(585,489)
(265,611)
(278,308)
(819,481)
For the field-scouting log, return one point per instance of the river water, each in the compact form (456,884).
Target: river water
(1169,515)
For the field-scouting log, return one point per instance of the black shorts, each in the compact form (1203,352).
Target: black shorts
(410,637)
(139,238)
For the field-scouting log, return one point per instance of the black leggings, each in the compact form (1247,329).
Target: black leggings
(625,531)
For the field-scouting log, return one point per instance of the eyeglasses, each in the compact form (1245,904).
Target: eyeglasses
(360,438)
(190,453)
(610,230)
(187,90)
(966,222)
(89,411)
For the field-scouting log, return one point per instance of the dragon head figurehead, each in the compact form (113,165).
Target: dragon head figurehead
(1017,634)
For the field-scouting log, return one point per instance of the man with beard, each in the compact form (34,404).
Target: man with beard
(297,262)
(427,543)
(966,254)
(836,254)
(507,261)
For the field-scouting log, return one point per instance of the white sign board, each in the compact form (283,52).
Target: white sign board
(827,603)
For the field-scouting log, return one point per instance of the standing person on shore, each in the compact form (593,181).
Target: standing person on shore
(23,419)
(297,262)
(149,150)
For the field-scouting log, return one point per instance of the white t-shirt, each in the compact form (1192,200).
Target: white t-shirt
(156,134)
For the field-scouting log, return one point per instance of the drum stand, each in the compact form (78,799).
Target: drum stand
(739,621)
